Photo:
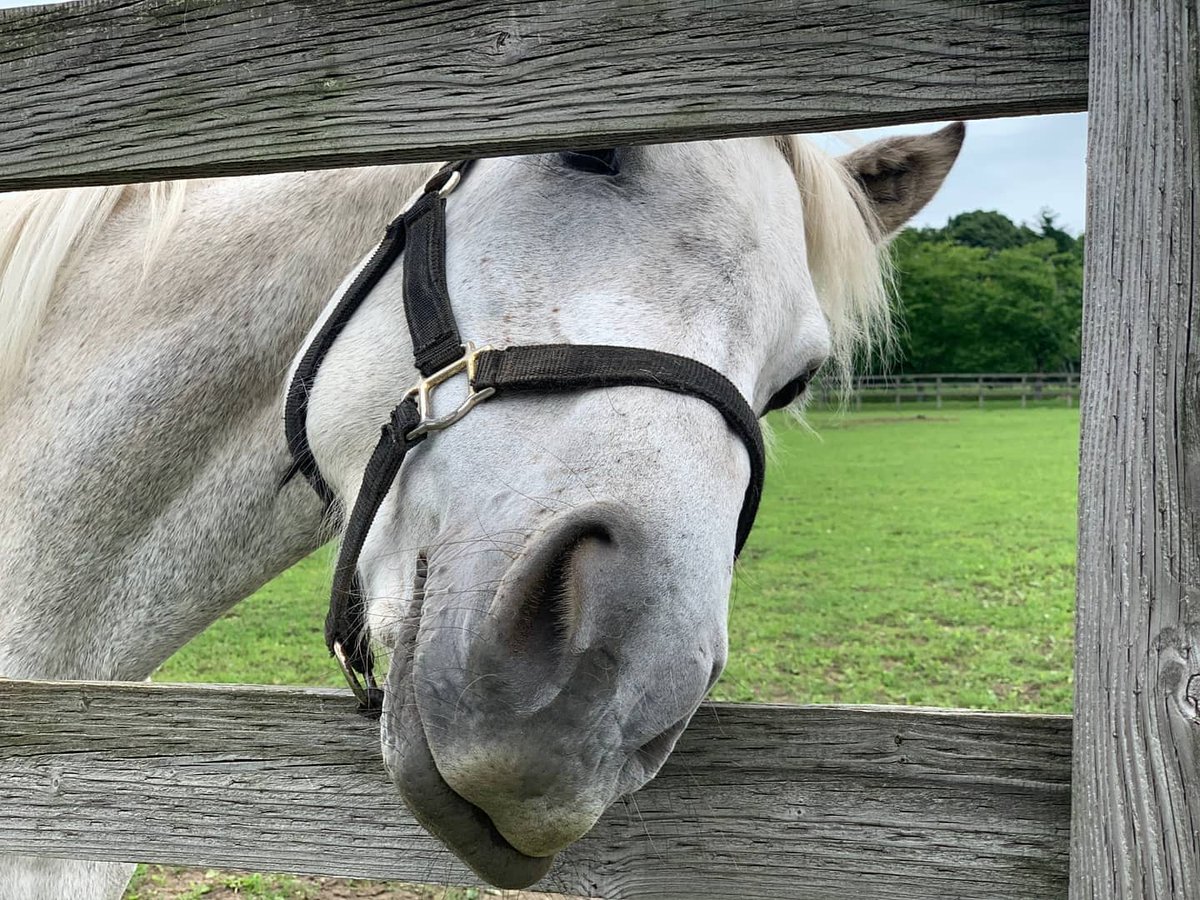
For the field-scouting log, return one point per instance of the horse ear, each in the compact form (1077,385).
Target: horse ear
(901,174)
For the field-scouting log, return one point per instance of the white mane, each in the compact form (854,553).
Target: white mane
(41,232)
(849,264)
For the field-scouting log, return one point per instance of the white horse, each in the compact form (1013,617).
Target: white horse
(552,572)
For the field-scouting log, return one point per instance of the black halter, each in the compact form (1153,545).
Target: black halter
(439,352)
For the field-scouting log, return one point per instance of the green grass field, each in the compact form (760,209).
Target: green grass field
(925,559)
(898,558)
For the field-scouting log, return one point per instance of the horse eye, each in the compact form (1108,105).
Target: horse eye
(793,389)
(787,394)
(594,162)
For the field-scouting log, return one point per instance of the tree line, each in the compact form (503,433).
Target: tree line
(983,294)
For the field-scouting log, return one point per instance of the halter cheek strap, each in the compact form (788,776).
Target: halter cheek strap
(440,354)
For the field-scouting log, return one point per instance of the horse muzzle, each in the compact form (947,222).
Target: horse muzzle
(516,717)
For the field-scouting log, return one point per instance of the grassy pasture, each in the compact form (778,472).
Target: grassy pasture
(911,556)
(900,556)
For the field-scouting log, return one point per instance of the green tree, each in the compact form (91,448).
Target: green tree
(1063,241)
(984,294)
(987,229)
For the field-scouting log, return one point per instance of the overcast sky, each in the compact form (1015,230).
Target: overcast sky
(1017,166)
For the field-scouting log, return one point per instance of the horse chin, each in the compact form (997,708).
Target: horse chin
(463,827)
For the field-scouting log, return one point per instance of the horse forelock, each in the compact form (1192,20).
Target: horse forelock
(41,233)
(849,263)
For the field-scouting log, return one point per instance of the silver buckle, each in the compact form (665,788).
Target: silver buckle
(360,690)
(451,183)
(423,392)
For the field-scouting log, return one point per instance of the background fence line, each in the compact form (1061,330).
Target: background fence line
(955,387)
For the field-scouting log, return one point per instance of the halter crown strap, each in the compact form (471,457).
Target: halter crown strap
(439,353)
(425,219)
(431,324)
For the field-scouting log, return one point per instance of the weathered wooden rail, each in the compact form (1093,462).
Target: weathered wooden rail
(170,89)
(757,801)
(793,803)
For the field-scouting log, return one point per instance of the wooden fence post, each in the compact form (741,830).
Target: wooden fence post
(1136,784)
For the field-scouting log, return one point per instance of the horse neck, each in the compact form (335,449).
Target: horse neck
(142,492)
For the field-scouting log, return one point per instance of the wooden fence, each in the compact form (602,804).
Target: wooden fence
(939,389)
(810,802)
(756,801)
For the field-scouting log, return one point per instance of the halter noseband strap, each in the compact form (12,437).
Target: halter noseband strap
(440,354)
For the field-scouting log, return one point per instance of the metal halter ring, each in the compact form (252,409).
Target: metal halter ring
(451,183)
(362,692)
(423,392)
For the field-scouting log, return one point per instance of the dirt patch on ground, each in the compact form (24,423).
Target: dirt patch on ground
(170,883)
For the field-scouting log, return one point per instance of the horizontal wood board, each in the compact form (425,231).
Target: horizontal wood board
(795,803)
(111,91)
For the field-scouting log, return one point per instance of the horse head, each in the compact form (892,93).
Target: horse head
(551,574)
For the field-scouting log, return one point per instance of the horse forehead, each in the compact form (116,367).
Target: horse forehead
(705,198)
(702,172)
(700,230)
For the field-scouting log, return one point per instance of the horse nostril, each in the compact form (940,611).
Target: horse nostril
(551,609)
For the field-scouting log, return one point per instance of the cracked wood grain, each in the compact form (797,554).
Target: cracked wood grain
(109,91)
(797,803)
(1136,828)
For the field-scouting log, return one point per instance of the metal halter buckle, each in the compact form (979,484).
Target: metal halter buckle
(451,183)
(362,692)
(423,392)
